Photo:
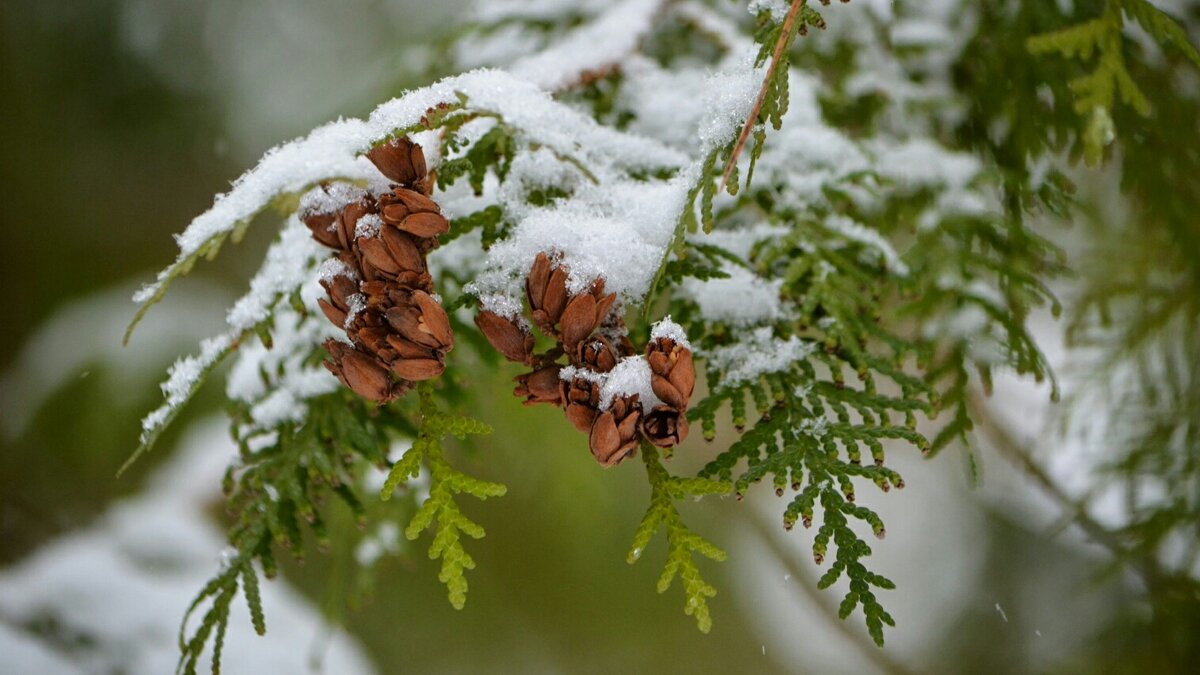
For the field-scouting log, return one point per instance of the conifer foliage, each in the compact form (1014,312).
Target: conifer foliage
(840,284)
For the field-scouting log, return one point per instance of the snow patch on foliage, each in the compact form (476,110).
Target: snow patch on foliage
(334,150)
(282,396)
(741,299)
(757,353)
(666,328)
(289,262)
(778,9)
(741,241)
(630,377)
(592,48)
(618,233)
(858,232)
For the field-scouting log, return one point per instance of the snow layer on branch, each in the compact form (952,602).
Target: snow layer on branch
(807,156)
(740,241)
(921,162)
(619,228)
(289,262)
(618,231)
(729,98)
(630,377)
(650,93)
(666,328)
(742,299)
(777,8)
(334,150)
(282,395)
(591,49)
(757,353)
(854,231)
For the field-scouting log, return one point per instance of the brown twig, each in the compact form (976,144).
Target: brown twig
(762,92)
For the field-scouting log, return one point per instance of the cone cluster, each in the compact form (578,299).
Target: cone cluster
(379,288)
(591,338)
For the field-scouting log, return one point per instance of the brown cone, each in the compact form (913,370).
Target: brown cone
(540,386)
(400,160)
(665,426)
(614,435)
(399,333)
(511,340)
(580,400)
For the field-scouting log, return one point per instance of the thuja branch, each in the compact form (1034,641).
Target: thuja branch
(665,490)
(807,585)
(781,44)
(440,511)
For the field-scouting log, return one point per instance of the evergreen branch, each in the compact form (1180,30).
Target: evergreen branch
(1162,27)
(150,435)
(1095,92)
(786,34)
(440,511)
(275,489)
(807,585)
(682,543)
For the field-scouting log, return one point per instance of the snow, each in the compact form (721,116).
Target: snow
(334,267)
(368,225)
(495,11)
(921,162)
(858,232)
(329,200)
(591,48)
(758,353)
(289,262)
(740,241)
(777,8)
(742,299)
(730,95)
(618,231)
(649,93)
(384,540)
(357,303)
(666,328)
(630,377)
(333,151)
(920,33)
(117,590)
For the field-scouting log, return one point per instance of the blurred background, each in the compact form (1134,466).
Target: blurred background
(120,120)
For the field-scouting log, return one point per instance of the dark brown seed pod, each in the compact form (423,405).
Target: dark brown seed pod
(398,332)
(400,160)
(511,340)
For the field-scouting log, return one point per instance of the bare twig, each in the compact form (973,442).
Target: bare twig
(780,44)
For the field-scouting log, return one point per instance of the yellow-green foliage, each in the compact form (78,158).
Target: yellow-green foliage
(1102,38)
(665,490)
(439,510)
